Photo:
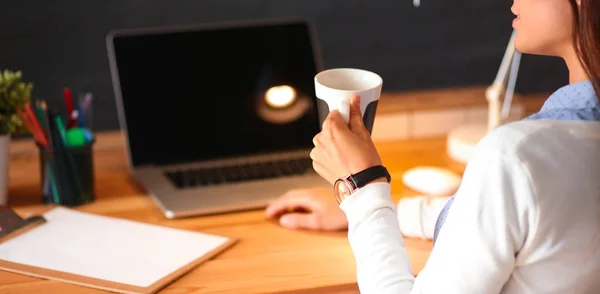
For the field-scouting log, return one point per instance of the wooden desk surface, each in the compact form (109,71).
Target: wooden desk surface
(267,259)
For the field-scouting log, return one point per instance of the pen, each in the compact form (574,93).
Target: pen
(70,161)
(36,123)
(53,185)
(27,120)
(59,160)
(46,184)
(42,112)
(61,130)
(80,117)
(41,117)
(70,108)
(85,111)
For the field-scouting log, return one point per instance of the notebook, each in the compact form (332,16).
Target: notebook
(107,253)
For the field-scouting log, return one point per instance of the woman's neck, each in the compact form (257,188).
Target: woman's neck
(576,71)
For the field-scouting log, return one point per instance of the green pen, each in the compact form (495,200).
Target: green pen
(62,131)
(53,185)
(41,110)
(41,118)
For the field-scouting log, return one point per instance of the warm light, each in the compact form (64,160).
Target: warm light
(280,96)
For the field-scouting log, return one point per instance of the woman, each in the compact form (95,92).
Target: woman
(526,218)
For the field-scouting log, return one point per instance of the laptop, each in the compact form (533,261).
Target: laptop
(217,118)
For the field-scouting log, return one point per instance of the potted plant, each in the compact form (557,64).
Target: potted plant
(14,94)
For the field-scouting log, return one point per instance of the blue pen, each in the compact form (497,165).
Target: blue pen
(53,186)
(85,111)
(80,117)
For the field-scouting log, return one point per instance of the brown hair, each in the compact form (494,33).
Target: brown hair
(587,37)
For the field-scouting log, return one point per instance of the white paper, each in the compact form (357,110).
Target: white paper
(107,248)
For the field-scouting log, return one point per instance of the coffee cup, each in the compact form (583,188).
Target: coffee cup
(335,87)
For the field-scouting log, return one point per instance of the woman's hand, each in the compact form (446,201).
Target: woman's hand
(342,149)
(312,209)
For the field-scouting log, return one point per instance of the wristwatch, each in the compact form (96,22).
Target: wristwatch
(344,187)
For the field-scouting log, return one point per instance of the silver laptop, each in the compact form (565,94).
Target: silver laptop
(219,117)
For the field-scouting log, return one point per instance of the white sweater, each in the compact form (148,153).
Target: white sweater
(417,215)
(526,219)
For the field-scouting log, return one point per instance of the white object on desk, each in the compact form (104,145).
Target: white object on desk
(109,249)
(432,181)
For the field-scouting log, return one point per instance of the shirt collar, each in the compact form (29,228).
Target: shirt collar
(579,95)
(576,101)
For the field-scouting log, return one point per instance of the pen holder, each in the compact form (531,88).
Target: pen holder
(67,174)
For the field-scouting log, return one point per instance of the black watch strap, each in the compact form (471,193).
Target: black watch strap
(362,178)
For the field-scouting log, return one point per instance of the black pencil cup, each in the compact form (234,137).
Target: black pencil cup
(67,175)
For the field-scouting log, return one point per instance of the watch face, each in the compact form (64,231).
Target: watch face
(342,191)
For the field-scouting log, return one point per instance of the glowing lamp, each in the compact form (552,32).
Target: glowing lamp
(280,96)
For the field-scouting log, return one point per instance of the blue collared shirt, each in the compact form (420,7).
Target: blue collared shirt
(577,101)
(573,102)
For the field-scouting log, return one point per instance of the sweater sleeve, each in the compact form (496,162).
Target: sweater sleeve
(382,261)
(475,251)
(417,215)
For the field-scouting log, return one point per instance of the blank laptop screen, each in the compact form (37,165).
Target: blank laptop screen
(202,94)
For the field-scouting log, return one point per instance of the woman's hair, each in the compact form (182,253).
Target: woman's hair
(587,37)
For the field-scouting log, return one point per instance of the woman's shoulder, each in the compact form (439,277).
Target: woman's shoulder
(531,136)
(509,138)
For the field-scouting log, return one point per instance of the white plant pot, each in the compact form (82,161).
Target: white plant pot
(4,159)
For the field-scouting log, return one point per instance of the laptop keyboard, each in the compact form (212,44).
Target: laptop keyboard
(238,173)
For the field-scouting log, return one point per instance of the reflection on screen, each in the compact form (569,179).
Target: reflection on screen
(201,94)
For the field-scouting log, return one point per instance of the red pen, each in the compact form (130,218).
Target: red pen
(32,124)
(72,120)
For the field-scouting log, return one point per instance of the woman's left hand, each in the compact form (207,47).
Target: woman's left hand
(342,149)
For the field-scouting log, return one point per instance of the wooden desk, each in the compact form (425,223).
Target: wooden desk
(267,259)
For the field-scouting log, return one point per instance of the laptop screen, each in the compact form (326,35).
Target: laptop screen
(199,94)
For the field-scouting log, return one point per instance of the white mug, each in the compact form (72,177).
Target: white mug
(335,87)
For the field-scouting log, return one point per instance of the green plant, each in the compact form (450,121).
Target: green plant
(14,94)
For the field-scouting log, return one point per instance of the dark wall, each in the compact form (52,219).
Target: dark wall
(444,43)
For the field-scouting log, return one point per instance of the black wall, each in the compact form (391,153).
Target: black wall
(444,43)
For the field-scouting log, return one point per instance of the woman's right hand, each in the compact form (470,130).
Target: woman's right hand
(312,209)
